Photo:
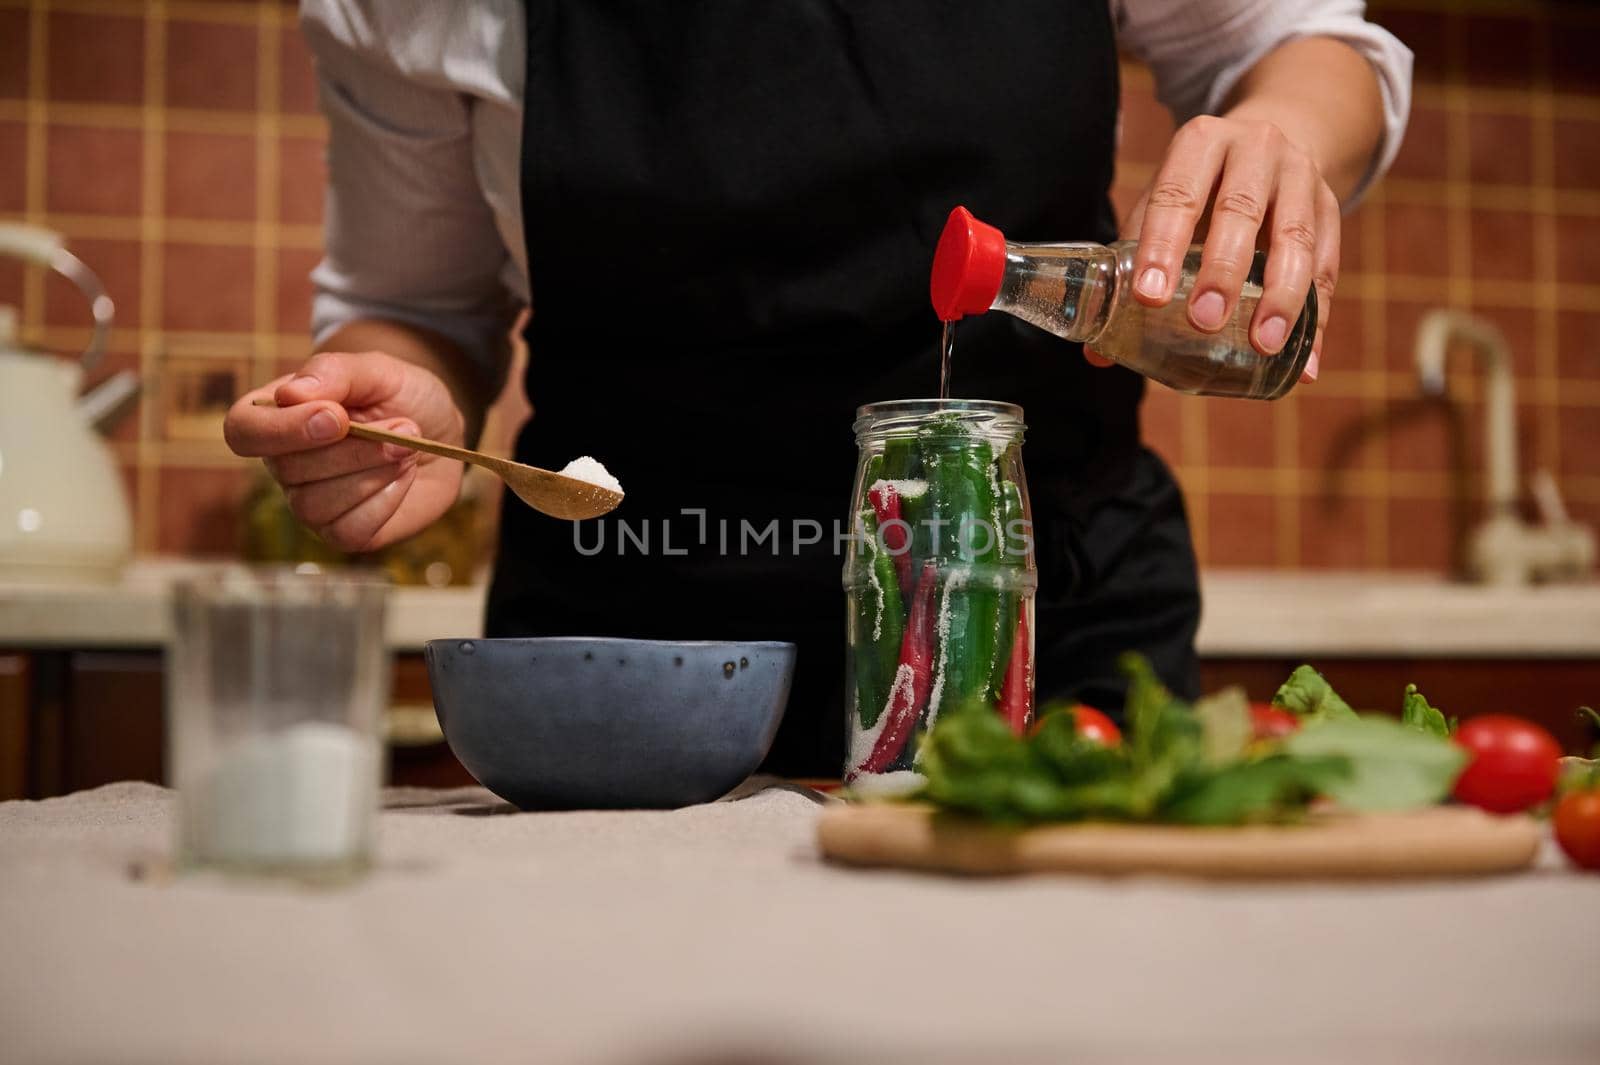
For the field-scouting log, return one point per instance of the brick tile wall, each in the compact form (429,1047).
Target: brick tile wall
(178,147)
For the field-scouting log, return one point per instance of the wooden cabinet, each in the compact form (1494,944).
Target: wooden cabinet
(71,720)
(111,720)
(14,733)
(421,761)
(79,719)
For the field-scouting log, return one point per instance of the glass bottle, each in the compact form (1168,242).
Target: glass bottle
(939,577)
(1084,292)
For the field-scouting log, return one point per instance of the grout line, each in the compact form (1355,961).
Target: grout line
(35,145)
(1530,294)
(1431,485)
(1286,457)
(202,454)
(1374,332)
(222,11)
(1486,100)
(1529,199)
(1458,171)
(1192,423)
(1546,337)
(1524,295)
(238,123)
(151,277)
(268,169)
(1532,198)
(1344,383)
(184,230)
(249,12)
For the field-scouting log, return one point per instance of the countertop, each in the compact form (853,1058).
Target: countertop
(135,612)
(715,933)
(1388,615)
(1246,614)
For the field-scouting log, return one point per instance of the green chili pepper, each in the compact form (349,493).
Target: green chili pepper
(943,442)
(1013,552)
(958,469)
(1010,558)
(900,458)
(981,544)
(893,618)
(878,624)
(902,463)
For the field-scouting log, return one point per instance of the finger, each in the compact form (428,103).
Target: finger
(358,527)
(1097,359)
(350,379)
(321,502)
(349,455)
(1290,255)
(1248,178)
(1324,271)
(258,432)
(1173,206)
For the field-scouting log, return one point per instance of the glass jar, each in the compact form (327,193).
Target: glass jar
(939,577)
(277,682)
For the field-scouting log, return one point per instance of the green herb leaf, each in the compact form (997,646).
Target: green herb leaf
(1164,736)
(1225,727)
(1307,694)
(1186,766)
(973,763)
(1392,766)
(1416,713)
(1269,789)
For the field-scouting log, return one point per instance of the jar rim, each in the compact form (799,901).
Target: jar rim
(903,414)
(938,406)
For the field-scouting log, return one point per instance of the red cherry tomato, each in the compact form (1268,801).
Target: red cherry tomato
(1093,725)
(1513,763)
(1272,722)
(1577,825)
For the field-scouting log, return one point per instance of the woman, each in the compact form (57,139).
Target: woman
(722,214)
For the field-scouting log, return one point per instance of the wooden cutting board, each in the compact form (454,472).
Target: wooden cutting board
(1442,841)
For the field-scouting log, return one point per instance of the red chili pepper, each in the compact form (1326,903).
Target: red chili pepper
(886,504)
(1016,694)
(913,678)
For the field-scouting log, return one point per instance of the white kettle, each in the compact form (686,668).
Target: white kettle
(63,511)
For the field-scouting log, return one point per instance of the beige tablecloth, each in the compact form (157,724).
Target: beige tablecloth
(715,934)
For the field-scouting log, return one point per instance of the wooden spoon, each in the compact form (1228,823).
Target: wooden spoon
(549,493)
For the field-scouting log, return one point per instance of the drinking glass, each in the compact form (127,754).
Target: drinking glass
(277,680)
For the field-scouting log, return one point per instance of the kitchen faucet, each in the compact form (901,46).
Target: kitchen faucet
(1504,549)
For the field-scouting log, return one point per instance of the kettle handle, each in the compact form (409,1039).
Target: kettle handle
(36,244)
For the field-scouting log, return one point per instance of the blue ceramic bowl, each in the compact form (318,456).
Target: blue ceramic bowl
(565,723)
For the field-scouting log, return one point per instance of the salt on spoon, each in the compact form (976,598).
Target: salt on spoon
(586,468)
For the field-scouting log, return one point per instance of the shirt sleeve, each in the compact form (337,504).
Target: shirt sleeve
(408,234)
(1199,51)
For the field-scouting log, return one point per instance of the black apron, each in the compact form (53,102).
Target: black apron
(730,211)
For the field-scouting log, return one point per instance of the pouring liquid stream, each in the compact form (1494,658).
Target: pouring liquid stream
(947,344)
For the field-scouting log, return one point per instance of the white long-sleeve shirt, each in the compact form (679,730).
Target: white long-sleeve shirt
(424,103)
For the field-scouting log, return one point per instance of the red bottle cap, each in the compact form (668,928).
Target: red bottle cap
(967,266)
